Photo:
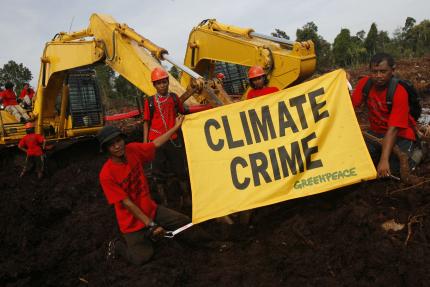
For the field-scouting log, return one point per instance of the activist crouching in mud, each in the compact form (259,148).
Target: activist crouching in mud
(140,219)
(392,113)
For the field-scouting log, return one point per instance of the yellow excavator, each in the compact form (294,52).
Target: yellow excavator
(67,103)
(214,48)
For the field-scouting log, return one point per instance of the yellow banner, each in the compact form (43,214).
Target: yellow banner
(297,142)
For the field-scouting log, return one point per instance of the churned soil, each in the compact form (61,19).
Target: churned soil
(55,232)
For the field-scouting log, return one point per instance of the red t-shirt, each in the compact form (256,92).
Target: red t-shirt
(379,117)
(24,93)
(261,92)
(120,180)
(33,144)
(158,126)
(9,98)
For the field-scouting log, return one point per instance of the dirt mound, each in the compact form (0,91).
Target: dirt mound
(55,232)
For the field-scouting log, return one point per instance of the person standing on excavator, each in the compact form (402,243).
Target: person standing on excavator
(26,96)
(33,145)
(258,82)
(394,125)
(160,112)
(8,98)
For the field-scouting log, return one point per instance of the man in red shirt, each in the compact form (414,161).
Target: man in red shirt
(33,145)
(258,82)
(394,127)
(8,99)
(125,186)
(26,96)
(159,116)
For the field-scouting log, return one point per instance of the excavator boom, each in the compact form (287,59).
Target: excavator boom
(286,62)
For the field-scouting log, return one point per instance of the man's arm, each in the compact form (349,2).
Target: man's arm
(145,131)
(388,142)
(137,212)
(166,136)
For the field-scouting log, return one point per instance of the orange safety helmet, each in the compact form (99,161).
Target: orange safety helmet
(220,76)
(29,125)
(158,74)
(255,71)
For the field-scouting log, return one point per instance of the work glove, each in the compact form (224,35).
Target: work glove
(153,231)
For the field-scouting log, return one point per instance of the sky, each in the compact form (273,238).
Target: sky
(26,25)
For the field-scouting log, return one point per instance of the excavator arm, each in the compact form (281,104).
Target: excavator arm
(285,62)
(104,41)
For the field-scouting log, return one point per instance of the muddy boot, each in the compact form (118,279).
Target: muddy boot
(162,194)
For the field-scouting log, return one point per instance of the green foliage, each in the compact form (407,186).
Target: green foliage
(370,42)
(322,47)
(18,74)
(280,34)
(174,72)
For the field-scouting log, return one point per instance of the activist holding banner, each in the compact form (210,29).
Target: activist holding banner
(258,82)
(300,141)
(389,115)
(140,219)
(160,112)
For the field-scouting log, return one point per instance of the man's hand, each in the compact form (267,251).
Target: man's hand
(383,168)
(153,231)
(179,120)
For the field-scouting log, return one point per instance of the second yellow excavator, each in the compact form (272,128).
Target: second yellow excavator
(214,47)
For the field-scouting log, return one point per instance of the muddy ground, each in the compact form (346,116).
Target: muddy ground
(55,232)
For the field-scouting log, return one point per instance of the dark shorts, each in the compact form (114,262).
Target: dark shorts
(35,162)
(170,158)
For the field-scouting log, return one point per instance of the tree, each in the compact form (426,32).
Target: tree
(280,34)
(409,24)
(371,40)
(343,48)
(174,72)
(18,74)
(322,47)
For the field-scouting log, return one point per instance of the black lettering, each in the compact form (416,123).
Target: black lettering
(230,141)
(264,127)
(233,170)
(317,106)
(275,165)
(298,102)
(285,119)
(246,128)
(215,147)
(293,161)
(308,151)
(260,168)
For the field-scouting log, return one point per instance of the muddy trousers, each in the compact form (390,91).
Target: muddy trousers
(375,150)
(140,249)
(18,112)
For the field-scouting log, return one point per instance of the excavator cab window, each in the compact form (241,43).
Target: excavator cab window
(84,99)
(235,81)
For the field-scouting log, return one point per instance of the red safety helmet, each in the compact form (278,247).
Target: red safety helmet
(220,76)
(29,125)
(255,71)
(158,74)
